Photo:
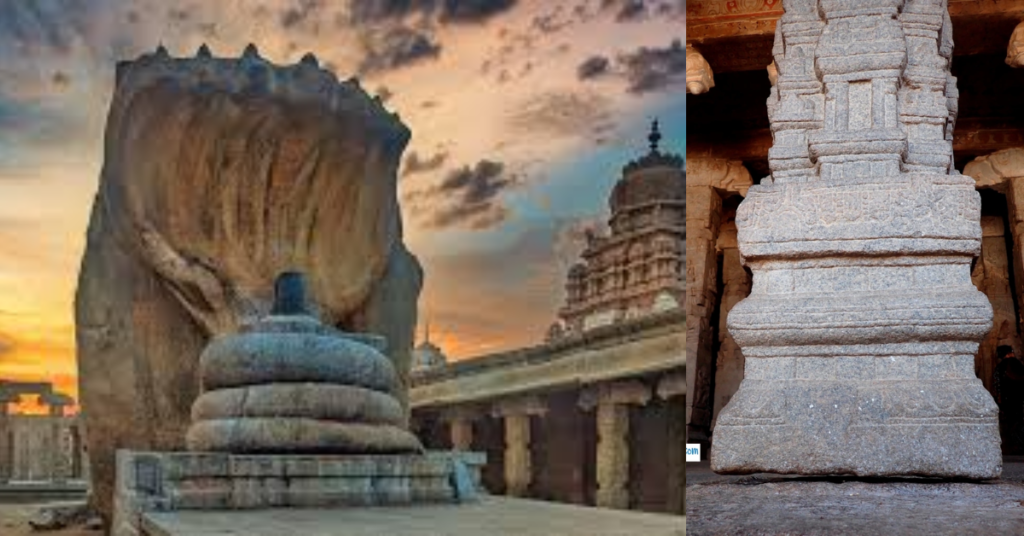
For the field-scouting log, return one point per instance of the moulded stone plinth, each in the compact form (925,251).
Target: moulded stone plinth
(174,481)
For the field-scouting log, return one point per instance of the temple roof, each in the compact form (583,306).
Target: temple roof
(656,176)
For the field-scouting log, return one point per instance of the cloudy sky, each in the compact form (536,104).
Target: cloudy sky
(522,112)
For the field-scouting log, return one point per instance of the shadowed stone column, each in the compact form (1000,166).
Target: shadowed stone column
(518,462)
(862,323)
(991,275)
(736,284)
(612,401)
(1003,171)
(708,182)
(672,386)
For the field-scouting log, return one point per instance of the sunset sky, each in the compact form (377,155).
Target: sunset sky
(522,113)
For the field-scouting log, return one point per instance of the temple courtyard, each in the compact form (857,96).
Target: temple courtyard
(770,504)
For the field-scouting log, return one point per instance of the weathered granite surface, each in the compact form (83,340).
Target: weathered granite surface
(768,505)
(862,322)
(178,481)
(220,173)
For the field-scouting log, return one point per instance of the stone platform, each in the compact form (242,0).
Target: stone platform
(182,481)
(493,516)
(768,504)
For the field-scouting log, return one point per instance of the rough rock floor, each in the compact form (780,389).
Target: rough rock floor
(765,504)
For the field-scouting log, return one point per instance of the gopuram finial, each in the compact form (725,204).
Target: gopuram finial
(654,137)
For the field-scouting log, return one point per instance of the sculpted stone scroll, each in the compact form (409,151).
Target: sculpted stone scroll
(219,174)
(862,322)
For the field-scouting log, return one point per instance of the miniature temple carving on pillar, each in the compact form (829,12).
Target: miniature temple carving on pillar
(708,181)
(517,414)
(862,322)
(612,401)
(699,76)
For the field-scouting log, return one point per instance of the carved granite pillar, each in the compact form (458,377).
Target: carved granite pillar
(708,181)
(1003,171)
(861,327)
(612,402)
(736,286)
(518,463)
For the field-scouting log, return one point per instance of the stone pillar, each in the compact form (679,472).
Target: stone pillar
(1003,171)
(708,181)
(612,401)
(736,284)
(992,276)
(6,448)
(517,414)
(862,322)
(460,426)
(59,465)
(671,386)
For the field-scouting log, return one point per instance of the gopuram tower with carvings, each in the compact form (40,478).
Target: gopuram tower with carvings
(637,269)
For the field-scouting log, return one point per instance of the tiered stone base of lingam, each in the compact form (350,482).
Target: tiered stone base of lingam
(293,413)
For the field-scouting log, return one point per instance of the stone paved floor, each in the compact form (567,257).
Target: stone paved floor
(766,504)
(492,516)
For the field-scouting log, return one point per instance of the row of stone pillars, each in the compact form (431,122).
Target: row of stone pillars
(611,403)
(62,467)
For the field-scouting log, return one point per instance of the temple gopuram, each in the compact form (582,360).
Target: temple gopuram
(592,415)
(731,73)
(638,267)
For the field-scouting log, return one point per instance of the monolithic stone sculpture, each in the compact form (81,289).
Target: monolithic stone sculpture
(699,76)
(1015,49)
(289,384)
(861,327)
(218,175)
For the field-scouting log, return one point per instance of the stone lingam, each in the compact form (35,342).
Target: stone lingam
(289,384)
(862,323)
(293,413)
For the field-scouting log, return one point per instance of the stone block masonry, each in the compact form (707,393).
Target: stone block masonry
(176,481)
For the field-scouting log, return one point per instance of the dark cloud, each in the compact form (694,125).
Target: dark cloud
(414,163)
(395,47)
(473,10)
(652,69)
(457,11)
(468,198)
(300,12)
(631,10)
(592,67)
(562,114)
